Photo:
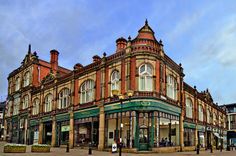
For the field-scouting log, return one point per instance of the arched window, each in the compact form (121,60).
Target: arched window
(189,108)
(115,77)
(214,118)
(87,91)
(35,110)
(171,88)
(64,98)
(26,79)
(145,77)
(17,87)
(16,106)
(25,102)
(200,113)
(208,116)
(48,103)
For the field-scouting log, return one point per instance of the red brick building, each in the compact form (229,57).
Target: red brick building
(50,104)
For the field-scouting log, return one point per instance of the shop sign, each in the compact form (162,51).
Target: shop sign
(189,125)
(65,128)
(82,130)
(201,128)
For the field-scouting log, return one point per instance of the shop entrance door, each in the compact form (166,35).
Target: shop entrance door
(143,139)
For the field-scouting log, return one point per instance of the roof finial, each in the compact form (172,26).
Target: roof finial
(146,22)
(29,50)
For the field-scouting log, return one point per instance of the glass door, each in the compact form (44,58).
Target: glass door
(143,131)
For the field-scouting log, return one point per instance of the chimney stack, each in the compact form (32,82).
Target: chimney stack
(120,44)
(54,60)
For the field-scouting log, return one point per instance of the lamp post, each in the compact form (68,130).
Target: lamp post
(121,98)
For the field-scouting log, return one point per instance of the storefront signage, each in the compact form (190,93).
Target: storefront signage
(201,128)
(63,117)
(47,118)
(34,122)
(82,130)
(65,128)
(189,125)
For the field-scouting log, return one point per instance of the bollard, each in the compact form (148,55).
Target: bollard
(90,149)
(67,147)
(211,148)
(198,148)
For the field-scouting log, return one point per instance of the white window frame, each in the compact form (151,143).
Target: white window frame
(17,87)
(48,103)
(171,87)
(25,102)
(87,91)
(200,112)
(115,78)
(26,78)
(189,108)
(64,98)
(147,77)
(36,103)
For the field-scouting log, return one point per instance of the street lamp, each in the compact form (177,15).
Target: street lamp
(121,98)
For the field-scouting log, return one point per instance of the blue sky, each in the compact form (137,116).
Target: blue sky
(199,34)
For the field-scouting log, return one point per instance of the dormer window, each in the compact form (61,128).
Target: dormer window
(26,79)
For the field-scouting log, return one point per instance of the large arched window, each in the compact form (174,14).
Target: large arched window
(200,112)
(87,91)
(64,98)
(189,108)
(48,103)
(115,77)
(35,110)
(25,102)
(17,86)
(26,79)
(145,77)
(171,88)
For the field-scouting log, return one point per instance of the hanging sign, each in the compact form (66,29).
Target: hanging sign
(65,128)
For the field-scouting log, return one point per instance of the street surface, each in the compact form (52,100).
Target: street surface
(84,152)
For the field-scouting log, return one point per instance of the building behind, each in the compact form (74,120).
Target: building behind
(2,111)
(50,104)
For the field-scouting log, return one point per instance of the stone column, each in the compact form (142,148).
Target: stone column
(196,137)
(181,132)
(40,141)
(53,143)
(71,133)
(101,128)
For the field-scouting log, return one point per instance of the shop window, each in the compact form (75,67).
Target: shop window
(115,76)
(25,102)
(35,107)
(145,77)
(171,88)
(189,137)
(87,91)
(64,98)
(48,103)
(26,79)
(189,108)
(17,87)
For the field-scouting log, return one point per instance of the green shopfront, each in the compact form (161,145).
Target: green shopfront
(146,124)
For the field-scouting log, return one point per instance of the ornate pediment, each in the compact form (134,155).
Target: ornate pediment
(29,57)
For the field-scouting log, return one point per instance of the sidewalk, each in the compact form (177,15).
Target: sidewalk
(83,152)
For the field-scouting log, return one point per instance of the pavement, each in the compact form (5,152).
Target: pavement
(84,152)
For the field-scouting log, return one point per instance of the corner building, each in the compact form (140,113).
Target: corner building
(158,110)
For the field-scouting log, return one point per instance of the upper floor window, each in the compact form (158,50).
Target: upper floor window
(64,98)
(87,91)
(16,106)
(189,108)
(171,89)
(48,103)
(214,118)
(26,79)
(200,113)
(8,110)
(25,102)
(145,77)
(17,87)
(208,116)
(35,110)
(115,77)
